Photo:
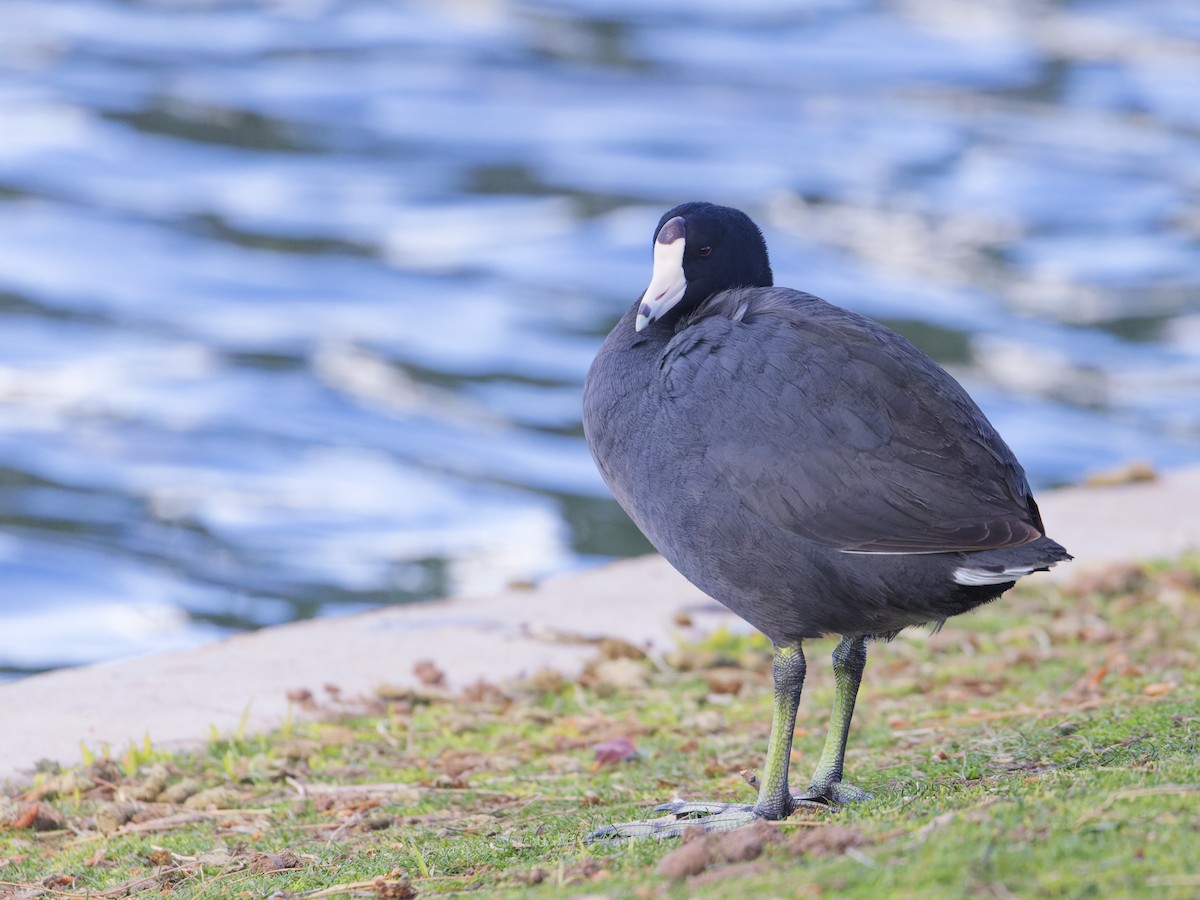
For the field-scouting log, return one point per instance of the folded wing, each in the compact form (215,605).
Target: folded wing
(883,451)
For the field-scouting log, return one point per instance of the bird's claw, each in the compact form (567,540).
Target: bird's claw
(836,793)
(684,809)
(681,816)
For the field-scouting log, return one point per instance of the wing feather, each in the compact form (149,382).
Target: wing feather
(829,425)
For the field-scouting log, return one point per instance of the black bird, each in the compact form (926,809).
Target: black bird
(805,466)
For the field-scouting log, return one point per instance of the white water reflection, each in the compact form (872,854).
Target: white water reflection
(296,298)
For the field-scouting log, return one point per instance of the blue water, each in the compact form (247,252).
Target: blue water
(296,297)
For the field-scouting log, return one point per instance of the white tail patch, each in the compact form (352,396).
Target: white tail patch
(969,576)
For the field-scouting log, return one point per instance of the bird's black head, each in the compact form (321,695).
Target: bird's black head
(701,249)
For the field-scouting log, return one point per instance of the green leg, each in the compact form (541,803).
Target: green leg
(775,800)
(849,660)
(774,796)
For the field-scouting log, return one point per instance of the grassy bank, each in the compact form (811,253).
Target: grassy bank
(1046,745)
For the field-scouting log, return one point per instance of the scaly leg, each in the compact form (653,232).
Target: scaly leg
(774,797)
(849,660)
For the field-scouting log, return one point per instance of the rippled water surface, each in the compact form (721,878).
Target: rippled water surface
(296,297)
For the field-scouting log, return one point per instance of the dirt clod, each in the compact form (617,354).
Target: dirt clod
(396,885)
(214,798)
(829,840)
(428,673)
(615,648)
(700,850)
(261,863)
(40,817)
(180,791)
(111,816)
(621,673)
(747,843)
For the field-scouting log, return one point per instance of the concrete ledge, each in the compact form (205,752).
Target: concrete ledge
(177,697)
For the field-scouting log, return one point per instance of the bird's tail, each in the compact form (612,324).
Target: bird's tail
(1007,564)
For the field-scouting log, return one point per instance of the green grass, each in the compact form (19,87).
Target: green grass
(1047,745)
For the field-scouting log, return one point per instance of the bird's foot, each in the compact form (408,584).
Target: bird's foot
(835,793)
(681,816)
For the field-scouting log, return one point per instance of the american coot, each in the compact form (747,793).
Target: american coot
(805,466)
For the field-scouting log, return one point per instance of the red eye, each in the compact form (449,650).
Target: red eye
(706,251)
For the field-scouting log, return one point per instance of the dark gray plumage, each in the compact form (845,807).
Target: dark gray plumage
(805,466)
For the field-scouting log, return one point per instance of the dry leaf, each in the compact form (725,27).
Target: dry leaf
(614,751)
